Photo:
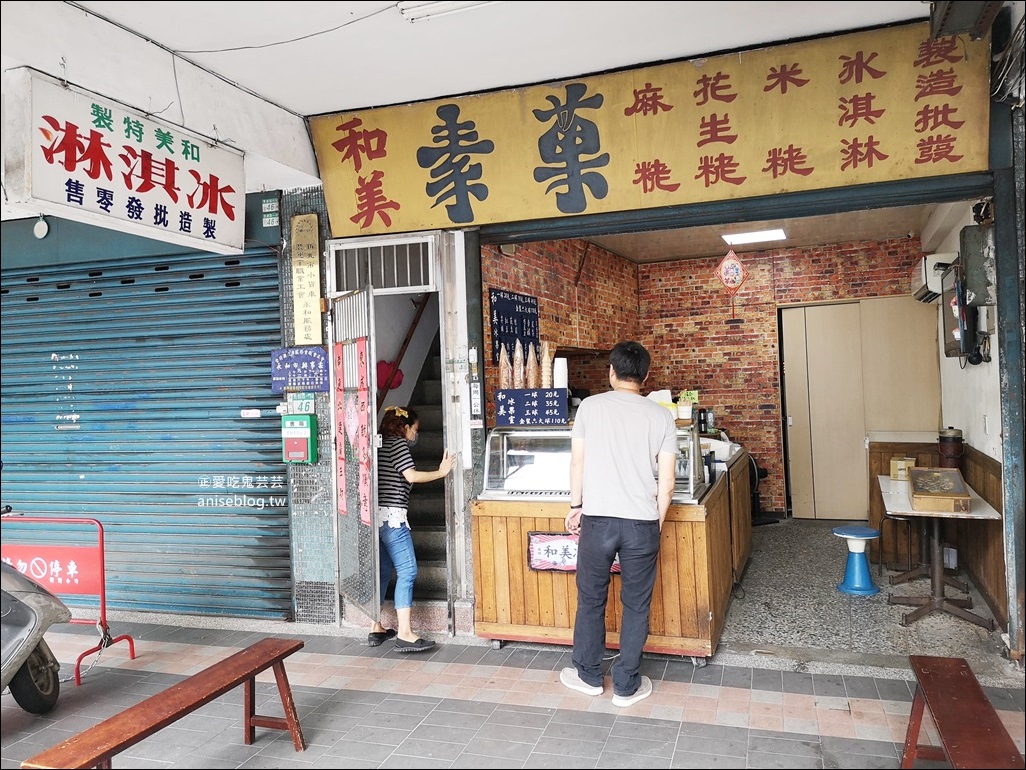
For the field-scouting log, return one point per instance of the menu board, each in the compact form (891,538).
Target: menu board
(514,317)
(531,406)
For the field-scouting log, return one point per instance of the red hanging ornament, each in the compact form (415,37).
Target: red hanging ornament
(732,274)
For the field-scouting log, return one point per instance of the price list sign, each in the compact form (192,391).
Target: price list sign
(531,406)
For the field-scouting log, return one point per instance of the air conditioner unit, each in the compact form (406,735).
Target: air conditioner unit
(926,276)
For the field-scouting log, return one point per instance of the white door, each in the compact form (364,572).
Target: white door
(826,431)
(850,370)
(837,412)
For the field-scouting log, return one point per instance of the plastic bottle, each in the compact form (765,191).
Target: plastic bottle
(710,421)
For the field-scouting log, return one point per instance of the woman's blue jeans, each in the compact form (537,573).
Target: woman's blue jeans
(637,542)
(396,553)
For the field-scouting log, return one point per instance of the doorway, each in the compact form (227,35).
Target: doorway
(392,296)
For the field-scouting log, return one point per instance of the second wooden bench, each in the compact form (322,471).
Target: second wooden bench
(96,746)
(971,732)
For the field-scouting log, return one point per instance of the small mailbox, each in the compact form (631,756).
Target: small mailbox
(299,438)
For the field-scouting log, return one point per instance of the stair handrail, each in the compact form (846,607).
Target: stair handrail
(383,389)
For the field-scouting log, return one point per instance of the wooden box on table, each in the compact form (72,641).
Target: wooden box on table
(938,489)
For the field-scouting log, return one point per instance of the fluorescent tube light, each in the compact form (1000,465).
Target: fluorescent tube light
(422,11)
(758,236)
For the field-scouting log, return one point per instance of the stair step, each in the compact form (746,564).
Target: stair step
(430,390)
(429,416)
(429,541)
(432,580)
(428,449)
(429,500)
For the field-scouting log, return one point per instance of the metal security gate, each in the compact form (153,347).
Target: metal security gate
(355,450)
(137,392)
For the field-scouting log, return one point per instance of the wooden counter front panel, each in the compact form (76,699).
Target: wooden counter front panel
(740,513)
(689,603)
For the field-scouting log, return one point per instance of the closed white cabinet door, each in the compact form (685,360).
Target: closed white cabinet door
(849,369)
(827,459)
(840,473)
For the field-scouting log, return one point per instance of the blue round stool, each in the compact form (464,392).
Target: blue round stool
(857,578)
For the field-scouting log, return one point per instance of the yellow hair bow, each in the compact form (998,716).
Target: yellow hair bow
(399,411)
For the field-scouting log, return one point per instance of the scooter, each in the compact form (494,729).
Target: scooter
(27,664)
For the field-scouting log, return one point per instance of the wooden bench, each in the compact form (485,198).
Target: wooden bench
(970,730)
(96,746)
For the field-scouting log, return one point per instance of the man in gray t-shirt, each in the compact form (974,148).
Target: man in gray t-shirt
(623,450)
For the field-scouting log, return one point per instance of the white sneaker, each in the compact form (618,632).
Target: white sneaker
(643,691)
(570,678)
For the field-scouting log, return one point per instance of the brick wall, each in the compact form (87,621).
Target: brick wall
(680,311)
(583,316)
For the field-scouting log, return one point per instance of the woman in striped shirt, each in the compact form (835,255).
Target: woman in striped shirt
(397,474)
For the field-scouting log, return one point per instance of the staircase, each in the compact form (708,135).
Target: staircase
(427,501)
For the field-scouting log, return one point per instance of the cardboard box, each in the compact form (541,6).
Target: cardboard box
(900,466)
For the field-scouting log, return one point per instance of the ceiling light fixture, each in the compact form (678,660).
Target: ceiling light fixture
(422,11)
(757,236)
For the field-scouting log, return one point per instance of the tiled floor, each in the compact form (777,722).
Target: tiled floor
(836,696)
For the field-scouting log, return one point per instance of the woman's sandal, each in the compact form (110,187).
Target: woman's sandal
(420,645)
(375,638)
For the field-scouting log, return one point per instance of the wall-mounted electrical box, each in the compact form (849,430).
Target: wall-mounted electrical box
(299,438)
(979,264)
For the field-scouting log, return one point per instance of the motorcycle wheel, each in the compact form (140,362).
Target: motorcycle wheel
(36,685)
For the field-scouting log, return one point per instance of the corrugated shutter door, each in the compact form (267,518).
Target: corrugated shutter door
(123,392)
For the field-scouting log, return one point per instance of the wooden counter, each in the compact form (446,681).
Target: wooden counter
(693,582)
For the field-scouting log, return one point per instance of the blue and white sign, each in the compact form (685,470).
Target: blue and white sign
(531,406)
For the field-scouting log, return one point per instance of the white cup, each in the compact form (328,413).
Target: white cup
(560,376)
(684,410)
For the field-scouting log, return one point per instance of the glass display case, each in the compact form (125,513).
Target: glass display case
(689,484)
(524,463)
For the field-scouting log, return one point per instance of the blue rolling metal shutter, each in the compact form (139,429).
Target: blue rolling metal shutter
(123,389)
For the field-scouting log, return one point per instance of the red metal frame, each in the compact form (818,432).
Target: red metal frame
(105,637)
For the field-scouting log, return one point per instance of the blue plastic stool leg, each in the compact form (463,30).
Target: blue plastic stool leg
(857,578)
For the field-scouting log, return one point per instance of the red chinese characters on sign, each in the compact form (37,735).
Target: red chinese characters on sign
(731,272)
(859,151)
(653,174)
(719,168)
(716,129)
(104,165)
(784,76)
(371,201)
(787,160)
(647,101)
(356,145)
(790,159)
(938,118)
(67,147)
